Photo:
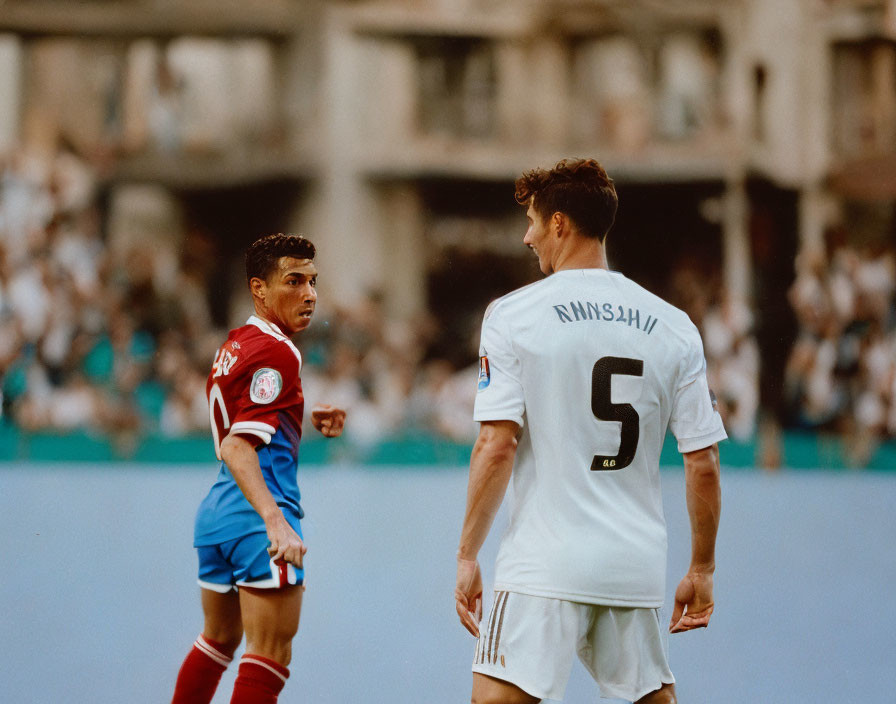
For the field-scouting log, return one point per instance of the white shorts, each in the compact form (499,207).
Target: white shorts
(530,641)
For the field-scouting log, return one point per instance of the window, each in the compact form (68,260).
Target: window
(456,82)
(864,98)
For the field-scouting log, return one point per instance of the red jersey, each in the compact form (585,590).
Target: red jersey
(254,390)
(254,385)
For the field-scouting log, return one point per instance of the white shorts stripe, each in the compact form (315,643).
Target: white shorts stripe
(279,578)
(487,647)
(213,587)
(500,623)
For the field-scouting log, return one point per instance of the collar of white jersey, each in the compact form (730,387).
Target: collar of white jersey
(584,271)
(274,332)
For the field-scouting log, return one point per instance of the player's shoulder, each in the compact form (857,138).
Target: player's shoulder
(674,326)
(516,297)
(262,343)
(674,316)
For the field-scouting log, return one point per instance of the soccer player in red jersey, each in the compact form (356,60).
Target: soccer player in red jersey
(248,532)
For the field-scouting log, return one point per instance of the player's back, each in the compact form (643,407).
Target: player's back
(600,361)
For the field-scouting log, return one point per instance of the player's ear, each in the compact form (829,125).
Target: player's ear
(558,222)
(258,287)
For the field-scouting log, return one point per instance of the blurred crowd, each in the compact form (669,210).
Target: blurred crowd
(841,374)
(727,326)
(117,341)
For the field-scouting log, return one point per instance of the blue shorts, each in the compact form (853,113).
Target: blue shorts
(244,561)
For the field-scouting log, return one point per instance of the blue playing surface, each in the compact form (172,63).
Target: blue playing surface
(100,603)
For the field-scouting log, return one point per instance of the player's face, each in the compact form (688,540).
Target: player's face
(290,294)
(538,239)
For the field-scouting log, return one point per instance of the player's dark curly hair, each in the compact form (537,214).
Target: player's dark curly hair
(578,188)
(264,253)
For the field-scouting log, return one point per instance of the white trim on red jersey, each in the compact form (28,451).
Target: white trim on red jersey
(256,428)
(272,330)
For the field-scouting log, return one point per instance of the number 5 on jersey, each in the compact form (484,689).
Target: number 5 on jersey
(604,409)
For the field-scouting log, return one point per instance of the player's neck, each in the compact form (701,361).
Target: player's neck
(589,255)
(270,320)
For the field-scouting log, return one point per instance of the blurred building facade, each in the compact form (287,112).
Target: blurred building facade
(751,142)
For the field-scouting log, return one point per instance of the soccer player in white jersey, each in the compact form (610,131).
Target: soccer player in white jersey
(580,376)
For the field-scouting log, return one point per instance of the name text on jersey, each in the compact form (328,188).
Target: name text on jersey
(577,311)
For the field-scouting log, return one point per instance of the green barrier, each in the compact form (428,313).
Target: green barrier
(9,442)
(165,450)
(78,447)
(797,451)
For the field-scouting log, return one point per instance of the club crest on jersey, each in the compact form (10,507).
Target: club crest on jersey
(266,385)
(484,373)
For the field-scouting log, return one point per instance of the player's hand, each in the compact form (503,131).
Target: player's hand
(468,594)
(286,545)
(328,420)
(693,602)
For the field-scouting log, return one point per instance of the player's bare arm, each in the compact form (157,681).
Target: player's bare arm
(328,420)
(491,464)
(241,458)
(693,597)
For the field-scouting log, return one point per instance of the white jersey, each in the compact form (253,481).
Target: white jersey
(595,369)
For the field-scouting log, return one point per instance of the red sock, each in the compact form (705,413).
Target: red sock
(259,680)
(199,675)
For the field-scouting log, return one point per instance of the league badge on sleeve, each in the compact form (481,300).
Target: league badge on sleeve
(484,373)
(266,385)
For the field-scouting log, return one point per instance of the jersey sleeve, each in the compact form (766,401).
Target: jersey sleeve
(695,422)
(267,387)
(499,394)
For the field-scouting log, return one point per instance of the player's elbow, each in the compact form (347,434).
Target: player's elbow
(233,447)
(497,442)
(501,454)
(702,466)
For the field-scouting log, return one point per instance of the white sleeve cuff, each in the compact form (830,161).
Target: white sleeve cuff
(704,441)
(482,416)
(256,428)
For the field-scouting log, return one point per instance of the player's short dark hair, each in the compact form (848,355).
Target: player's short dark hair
(578,188)
(264,253)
